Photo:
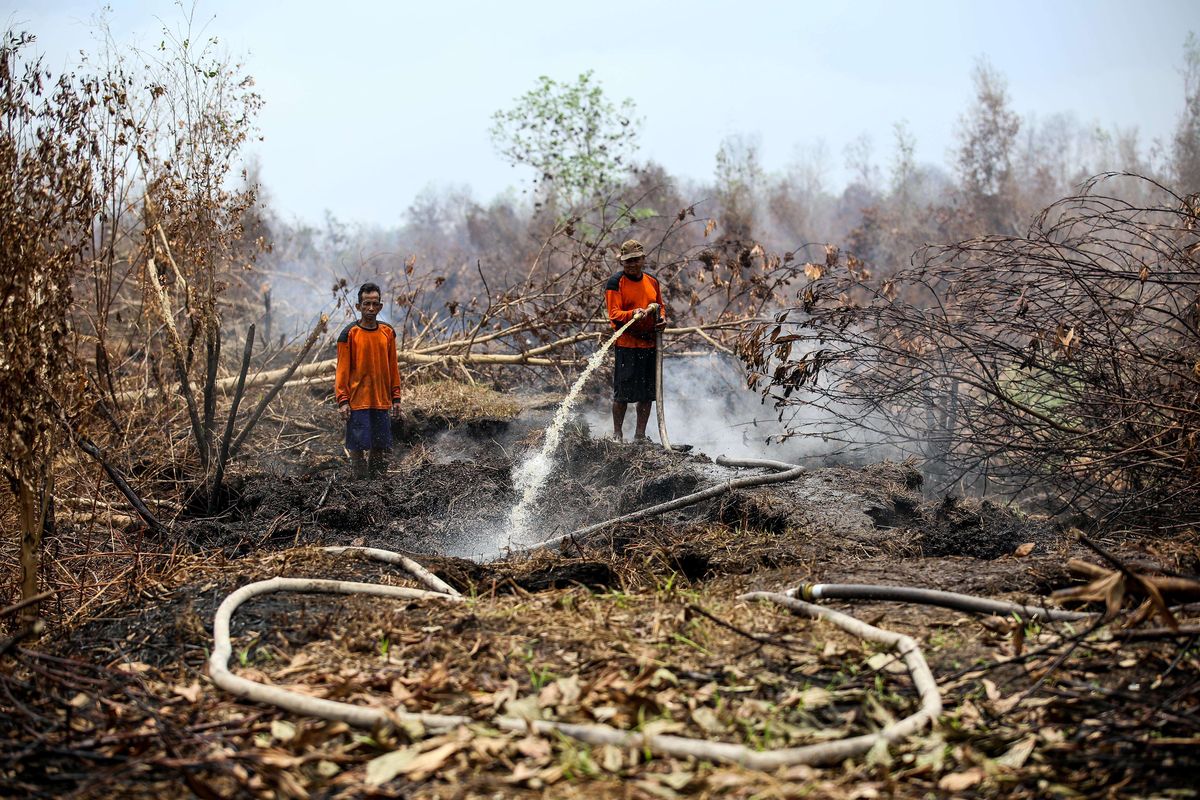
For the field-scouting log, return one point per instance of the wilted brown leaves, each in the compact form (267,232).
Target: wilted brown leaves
(47,202)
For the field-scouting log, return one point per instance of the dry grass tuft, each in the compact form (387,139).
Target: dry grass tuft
(459,403)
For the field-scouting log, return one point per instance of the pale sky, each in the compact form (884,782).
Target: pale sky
(367,103)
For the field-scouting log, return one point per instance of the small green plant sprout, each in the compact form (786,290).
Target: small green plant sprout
(620,598)
(575,759)
(679,637)
(539,677)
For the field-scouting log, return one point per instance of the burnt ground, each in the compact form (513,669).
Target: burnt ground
(639,626)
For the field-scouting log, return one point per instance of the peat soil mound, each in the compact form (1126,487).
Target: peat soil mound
(450,492)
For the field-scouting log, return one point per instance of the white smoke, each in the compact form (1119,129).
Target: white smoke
(709,407)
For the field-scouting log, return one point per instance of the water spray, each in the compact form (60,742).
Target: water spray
(530,476)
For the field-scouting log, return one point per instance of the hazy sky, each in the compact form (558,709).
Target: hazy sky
(367,103)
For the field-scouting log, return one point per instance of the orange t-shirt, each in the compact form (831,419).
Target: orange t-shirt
(623,297)
(368,373)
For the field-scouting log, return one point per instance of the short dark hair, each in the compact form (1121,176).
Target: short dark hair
(369,287)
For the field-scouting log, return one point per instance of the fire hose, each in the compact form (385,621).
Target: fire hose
(930,700)
(658,390)
(783,472)
(932,597)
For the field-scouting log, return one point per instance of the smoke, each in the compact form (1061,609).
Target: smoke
(709,407)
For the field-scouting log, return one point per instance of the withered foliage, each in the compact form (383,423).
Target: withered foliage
(548,311)
(121,223)
(46,208)
(655,651)
(1064,363)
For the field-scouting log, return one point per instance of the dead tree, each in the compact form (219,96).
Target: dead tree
(46,207)
(1072,355)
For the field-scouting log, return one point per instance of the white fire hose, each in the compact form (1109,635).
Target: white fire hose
(658,383)
(930,700)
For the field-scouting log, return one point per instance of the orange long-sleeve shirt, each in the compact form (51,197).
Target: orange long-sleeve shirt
(368,373)
(624,297)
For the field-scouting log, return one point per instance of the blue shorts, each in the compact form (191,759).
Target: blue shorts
(369,429)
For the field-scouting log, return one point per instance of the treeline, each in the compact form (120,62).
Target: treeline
(1003,171)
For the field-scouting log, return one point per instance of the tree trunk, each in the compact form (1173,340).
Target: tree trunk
(32,511)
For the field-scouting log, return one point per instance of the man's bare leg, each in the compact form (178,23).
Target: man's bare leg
(643,416)
(619,420)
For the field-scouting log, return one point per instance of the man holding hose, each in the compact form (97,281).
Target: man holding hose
(629,291)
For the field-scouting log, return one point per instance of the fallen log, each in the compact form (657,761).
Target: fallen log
(436,354)
(327,367)
(103,516)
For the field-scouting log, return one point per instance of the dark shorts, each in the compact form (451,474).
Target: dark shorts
(633,375)
(369,429)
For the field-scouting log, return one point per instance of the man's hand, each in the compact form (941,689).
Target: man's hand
(397,411)
(344,411)
(660,324)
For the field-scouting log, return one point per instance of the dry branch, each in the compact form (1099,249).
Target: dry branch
(28,601)
(181,371)
(1057,367)
(88,446)
(286,374)
(223,453)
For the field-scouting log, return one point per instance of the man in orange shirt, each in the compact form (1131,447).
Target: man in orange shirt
(627,292)
(367,385)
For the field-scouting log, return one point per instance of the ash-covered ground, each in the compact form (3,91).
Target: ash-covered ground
(449,492)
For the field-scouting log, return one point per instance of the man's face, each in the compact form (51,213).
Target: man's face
(369,306)
(633,267)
